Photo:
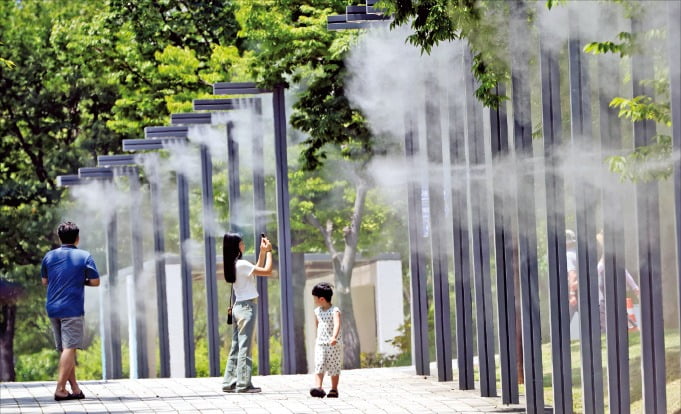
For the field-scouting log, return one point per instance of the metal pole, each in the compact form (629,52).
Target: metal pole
(137,332)
(527,241)
(480,237)
(260,226)
(417,264)
(210,261)
(461,252)
(439,262)
(586,200)
(186,275)
(673,37)
(650,272)
(105,321)
(284,232)
(616,331)
(503,237)
(160,267)
(114,297)
(555,225)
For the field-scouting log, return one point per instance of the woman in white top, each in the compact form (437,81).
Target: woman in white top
(244,311)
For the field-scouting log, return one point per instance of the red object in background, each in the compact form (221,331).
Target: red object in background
(631,317)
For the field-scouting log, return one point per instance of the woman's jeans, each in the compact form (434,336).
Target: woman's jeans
(240,363)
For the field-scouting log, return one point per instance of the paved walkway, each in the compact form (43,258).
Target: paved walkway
(376,390)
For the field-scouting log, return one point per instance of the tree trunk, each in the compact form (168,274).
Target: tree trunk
(343,299)
(7,318)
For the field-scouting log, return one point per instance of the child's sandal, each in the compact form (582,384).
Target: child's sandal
(332,394)
(318,392)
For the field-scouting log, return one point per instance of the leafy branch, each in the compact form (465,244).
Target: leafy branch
(646,163)
(626,47)
(642,108)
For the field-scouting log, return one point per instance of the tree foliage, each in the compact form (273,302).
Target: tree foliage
(89,74)
(651,161)
(481,23)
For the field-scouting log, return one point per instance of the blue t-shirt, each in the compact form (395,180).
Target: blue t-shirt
(66,269)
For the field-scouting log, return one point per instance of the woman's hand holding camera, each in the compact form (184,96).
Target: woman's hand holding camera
(265,244)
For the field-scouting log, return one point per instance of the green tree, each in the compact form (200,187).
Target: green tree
(294,48)
(89,74)
(53,114)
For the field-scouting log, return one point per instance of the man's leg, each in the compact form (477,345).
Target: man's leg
(66,370)
(75,388)
(72,339)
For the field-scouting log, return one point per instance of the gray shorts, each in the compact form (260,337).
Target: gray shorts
(68,332)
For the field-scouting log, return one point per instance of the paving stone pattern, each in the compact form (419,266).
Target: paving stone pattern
(376,390)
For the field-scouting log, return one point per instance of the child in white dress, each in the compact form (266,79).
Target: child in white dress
(329,345)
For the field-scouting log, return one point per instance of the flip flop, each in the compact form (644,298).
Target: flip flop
(78,396)
(62,398)
(317,392)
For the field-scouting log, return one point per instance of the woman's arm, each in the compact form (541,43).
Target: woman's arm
(264,269)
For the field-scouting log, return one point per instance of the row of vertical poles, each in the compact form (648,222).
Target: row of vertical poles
(127,165)
(586,200)
(284,230)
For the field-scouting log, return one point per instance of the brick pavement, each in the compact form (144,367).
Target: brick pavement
(375,390)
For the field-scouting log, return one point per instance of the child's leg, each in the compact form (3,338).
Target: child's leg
(334,381)
(318,380)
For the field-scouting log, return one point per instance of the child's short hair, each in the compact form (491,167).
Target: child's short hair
(323,290)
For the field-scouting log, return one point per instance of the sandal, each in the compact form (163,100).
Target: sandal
(317,392)
(78,396)
(62,398)
(332,394)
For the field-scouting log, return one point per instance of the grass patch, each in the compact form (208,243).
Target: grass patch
(673,372)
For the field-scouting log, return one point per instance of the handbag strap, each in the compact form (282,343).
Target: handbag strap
(231,295)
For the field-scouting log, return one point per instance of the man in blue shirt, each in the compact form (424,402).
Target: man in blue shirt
(66,271)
